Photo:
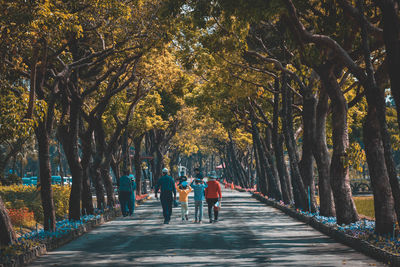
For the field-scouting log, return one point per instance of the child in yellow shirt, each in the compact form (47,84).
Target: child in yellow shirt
(184,191)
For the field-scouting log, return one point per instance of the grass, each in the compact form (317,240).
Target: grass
(365,205)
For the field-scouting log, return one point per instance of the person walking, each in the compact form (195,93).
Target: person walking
(213,198)
(184,191)
(167,185)
(132,201)
(198,187)
(126,190)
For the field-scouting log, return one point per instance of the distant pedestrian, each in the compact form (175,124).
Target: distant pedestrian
(213,198)
(184,189)
(167,185)
(198,186)
(126,194)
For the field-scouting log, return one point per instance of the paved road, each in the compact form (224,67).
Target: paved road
(249,234)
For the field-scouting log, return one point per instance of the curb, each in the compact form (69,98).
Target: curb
(341,237)
(56,242)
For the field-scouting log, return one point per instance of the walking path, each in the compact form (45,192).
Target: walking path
(248,234)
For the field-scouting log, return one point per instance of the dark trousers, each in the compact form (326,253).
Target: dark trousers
(125,200)
(210,203)
(131,204)
(166,203)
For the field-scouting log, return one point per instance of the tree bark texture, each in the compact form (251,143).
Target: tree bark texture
(7,233)
(274,183)
(262,183)
(391,31)
(137,142)
(383,200)
(306,163)
(277,139)
(299,192)
(391,27)
(322,157)
(374,130)
(126,161)
(46,191)
(115,167)
(346,212)
(69,138)
(108,183)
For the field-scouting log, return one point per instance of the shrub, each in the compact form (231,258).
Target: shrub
(21,196)
(22,217)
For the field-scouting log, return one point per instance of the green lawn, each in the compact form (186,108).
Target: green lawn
(365,206)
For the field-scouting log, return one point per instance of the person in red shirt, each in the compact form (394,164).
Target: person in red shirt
(213,198)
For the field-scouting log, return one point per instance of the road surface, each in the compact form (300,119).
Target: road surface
(248,234)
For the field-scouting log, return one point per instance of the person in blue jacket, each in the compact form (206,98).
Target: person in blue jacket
(126,192)
(198,187)
(132,201)
(167,185)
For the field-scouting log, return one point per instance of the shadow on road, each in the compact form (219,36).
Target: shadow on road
(249,234)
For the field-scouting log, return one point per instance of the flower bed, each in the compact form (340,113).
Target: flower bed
(18,197)
(22,217)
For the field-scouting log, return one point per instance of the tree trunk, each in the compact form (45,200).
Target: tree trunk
(108,183)
(61,172)
(173,163)
(273,178)
(97,179)
(391,27)
(232,166)
(158,164)
(115,167)
(374,148)
(227,171)
(76,188)
(306,163)
(69,138)
(46,192)
(391,31)
(98,186)
(383,200)
(299,192)
(87,200)
(284,177)
(137,142)
(7,233)
(126,161)
(245,175)
(237,166)
(346,212)
(262,178)
(87,146)
(322,157)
